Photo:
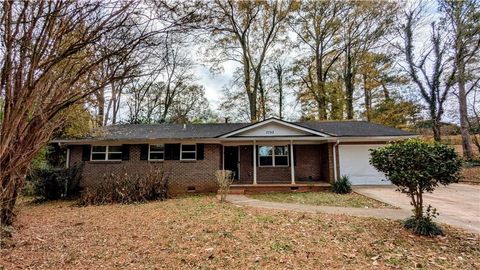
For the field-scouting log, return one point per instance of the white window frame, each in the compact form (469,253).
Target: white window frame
(156,152)
(181,151)
(273,156)
(107,151)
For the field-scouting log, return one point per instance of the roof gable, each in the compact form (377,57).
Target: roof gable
(273,128)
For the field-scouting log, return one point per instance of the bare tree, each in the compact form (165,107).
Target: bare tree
(462,17)
(279,72)
(317,25)
(59,68)
(429,71)
(365,24)
(474,121)
(245,32)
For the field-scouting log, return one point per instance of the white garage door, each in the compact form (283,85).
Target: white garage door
(354,162)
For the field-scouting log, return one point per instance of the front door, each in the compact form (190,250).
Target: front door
(231,159)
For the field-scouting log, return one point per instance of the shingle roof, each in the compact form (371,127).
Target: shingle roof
(354,129)
(203,131)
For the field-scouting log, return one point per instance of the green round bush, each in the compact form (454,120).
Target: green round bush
(423,226)
(342,185)
(416,167)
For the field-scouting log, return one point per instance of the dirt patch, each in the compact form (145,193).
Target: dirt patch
(199,233)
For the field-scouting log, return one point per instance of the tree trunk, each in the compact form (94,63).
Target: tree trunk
(368,102)
(464,127)
(462,105)
(263,101)
(436,130)
(349,84)
(100,106)
(252,95)
(386,93)
(279,71)
(252,100)
(322,102)
(8,198)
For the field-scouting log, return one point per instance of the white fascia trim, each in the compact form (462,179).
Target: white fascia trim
(375,139)
(259,124)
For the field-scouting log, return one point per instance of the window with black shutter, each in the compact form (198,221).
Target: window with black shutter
(144,152)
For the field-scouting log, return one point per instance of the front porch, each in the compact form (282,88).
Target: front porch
(279,165)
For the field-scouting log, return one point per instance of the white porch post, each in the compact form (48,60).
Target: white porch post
(67,161)
(292,165)
(254,162)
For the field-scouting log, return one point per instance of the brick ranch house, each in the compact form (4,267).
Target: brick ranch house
(267,155)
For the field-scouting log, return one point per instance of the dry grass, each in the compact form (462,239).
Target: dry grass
(453,140)
(471,175)
(200,233)
(323,198)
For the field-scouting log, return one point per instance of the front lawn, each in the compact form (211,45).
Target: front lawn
(322,198)
(200,233)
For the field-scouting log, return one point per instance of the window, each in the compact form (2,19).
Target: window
(281,155)
(156,152)
(188,152)
(273,155)
(265,154)
(113,152)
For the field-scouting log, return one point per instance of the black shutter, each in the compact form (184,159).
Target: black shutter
(125,152)
(176,151)
(144,151)
(172,151)
(168,152)
(86,152)
(200,151)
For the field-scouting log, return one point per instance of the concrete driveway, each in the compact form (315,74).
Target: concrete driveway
(458,204)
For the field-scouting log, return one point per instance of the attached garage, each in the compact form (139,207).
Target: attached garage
(354,162)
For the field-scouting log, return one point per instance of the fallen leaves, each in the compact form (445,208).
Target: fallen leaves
(198,233)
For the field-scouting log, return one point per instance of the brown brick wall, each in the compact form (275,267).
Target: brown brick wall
(312,161)
(246,164)
(199,174)
(309,161)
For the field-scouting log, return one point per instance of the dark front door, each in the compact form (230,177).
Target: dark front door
(231,159)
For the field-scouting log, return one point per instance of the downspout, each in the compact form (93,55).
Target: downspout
(335,146)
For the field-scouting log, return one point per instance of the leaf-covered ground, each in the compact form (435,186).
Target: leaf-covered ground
(200,233)
(471,175)
(322,198)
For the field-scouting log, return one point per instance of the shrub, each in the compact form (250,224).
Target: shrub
(224,180)
(127,188)
(48,183)
(416,167)
(425,225)
(342,185)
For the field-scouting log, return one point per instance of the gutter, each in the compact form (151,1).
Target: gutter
(335,146)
